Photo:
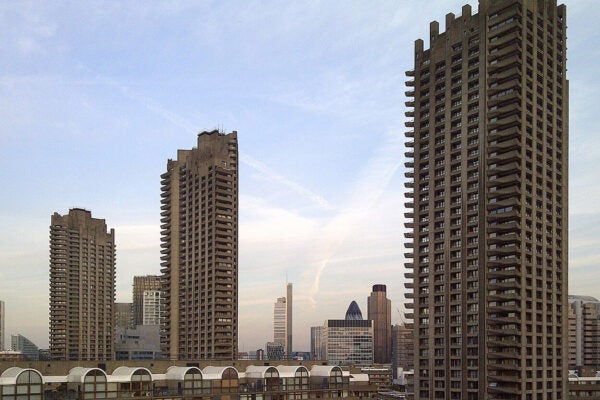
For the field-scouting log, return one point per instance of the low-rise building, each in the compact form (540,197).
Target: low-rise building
(161,380)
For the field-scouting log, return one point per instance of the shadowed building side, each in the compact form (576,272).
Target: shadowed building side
(199,250)
(487,199)
(82,287)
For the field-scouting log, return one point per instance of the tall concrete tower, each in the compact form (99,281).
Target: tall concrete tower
(82,287)
(379,310)
(487,159)
(199,250)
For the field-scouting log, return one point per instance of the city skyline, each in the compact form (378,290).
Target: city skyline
(319,110)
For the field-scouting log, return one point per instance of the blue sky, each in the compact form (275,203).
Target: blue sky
(96,96)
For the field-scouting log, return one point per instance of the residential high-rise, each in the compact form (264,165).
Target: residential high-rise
(124,315)
(82,287)
(2,316)
(199,250)
(379,310)
(488,164)
(141,284)
(584,332)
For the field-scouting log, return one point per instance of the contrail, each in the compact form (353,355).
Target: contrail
(296,187)
(187,126)
(367,190)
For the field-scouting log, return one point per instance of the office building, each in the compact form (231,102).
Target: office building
(124,315)
(2,317)
(316,342)
(353,312)
(402,349)
(25,346)
(152,307)
(282,322)
(584,332)
(140,285)
(289,330)
(275,351)
(139,343)
(487,174)
(346,341)
(82,287)
(379,310)
(199,250)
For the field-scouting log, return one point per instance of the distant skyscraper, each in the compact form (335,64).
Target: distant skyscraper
(2,326)
(353,312)
(124,315)
(199,241)
(380,311)
(82,287)
(317,346)
(25,346)
(487,159)
(349,341)
(584,332)
(288,345)
(280,322)
(140,285)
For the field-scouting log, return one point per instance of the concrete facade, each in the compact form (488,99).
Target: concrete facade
(139,343)
(124,315)
(199,250)
(82,287)
(487,203)
(584,332)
